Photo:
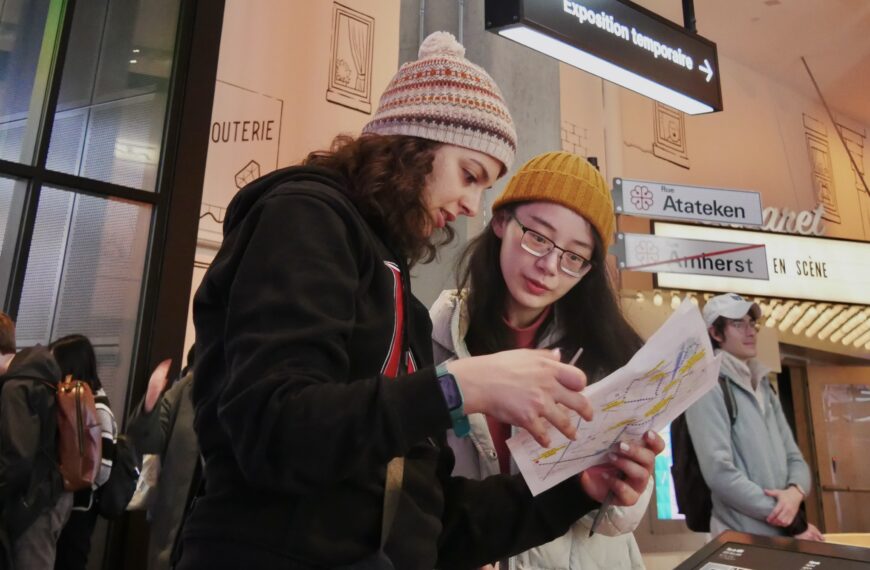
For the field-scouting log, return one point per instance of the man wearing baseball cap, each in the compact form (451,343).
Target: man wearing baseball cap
(756,473)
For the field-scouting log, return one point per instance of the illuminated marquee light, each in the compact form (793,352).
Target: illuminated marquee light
(808,318)
(863,339)
(824,319)
(857,331)
(844,325)
(793,316)
(837,322)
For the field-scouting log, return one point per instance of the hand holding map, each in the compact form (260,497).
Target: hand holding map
(669,373)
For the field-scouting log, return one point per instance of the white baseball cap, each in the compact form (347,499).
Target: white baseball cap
(730,306)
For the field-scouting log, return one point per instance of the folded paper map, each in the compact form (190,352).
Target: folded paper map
(669,373)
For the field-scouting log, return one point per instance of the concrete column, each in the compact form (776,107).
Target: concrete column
(613,136)
(530,84)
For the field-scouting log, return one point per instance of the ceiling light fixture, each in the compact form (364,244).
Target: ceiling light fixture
(620,42)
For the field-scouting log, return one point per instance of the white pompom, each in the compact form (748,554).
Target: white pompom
(440,43)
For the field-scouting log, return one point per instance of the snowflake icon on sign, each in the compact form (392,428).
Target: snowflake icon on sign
(646,252)
(641,197)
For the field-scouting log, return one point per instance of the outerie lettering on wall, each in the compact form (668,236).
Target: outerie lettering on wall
(242,131)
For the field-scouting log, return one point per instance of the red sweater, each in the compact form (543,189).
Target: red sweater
(500,432)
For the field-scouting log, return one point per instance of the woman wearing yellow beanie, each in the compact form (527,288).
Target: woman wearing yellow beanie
(320,414)
(536,278)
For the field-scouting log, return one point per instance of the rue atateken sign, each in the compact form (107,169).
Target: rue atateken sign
(693,203)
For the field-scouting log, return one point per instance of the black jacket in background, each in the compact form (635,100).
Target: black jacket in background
(296,419)
(30,482)
(167,431)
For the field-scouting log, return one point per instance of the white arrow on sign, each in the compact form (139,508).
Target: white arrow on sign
(708,69)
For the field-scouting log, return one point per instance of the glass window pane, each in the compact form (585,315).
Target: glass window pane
(84,275)
(24,62)
(12,194)
(114,92)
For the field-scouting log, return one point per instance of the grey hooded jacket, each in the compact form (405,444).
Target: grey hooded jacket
(759,452)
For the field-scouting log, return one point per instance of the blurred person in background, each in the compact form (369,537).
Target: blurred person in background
(75,356)
(756,473)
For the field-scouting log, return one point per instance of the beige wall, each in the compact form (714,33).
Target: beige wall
(283,49)
(274,65)
(757,143)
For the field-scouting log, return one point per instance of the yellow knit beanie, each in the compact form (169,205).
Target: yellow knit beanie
(568,180)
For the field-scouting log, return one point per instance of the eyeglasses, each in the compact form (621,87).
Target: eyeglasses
(571,263)
(744,326)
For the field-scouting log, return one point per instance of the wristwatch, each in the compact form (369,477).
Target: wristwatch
(799,488)
(453,397)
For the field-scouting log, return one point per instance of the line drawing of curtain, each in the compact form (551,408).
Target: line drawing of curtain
(358,34)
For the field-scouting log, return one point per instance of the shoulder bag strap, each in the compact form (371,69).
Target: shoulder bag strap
(730,404)
(396,466)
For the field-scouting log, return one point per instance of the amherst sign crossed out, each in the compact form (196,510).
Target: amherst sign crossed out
(657,254)
(796,267)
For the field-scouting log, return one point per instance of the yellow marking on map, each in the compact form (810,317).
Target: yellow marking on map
(622,423)
(658,377)
(671,385)
(692,360)
(655,369)
(614,404)
(549,453)
(658,406)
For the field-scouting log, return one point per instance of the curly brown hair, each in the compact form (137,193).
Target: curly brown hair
(386,177)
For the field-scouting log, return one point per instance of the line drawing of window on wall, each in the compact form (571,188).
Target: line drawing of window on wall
(821,171)
(854,140)
(84,275)
(670,135)
(351,61)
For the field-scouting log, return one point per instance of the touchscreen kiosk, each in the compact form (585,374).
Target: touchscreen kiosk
(740,551)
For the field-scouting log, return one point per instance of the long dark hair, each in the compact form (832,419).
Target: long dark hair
(588,315)
(386,176)
(75,355)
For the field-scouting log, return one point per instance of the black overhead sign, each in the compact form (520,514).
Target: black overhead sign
(623,34)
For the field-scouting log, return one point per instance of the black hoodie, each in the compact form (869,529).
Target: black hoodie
(30,482)
(297,335)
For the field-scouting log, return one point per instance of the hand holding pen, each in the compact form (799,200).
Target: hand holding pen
(529,388)
(633,462)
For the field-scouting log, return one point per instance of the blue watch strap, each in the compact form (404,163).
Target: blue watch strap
(453,396)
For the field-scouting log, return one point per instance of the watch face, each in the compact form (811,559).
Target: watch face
(450,390)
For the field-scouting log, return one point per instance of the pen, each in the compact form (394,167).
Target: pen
(576,356)
(608,502)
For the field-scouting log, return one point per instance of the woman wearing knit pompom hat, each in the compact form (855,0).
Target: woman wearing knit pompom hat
(536,278)
(319,411)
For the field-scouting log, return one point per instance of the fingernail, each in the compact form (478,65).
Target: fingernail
(651,435)
(605,475)
(624,447)
(612,456)
(557,353)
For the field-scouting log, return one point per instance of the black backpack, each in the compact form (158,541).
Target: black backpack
(692,492)
(113,496)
